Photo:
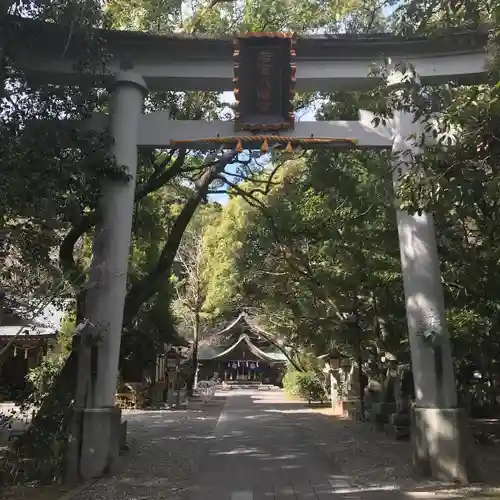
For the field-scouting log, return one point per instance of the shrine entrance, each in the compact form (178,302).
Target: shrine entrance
(265,69)
(239,369)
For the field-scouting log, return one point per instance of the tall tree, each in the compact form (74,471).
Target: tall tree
(189,281)
(296,258)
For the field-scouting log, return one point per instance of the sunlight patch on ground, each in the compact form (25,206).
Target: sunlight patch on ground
(296,410)
(477,492)
(357,489)
(239,451)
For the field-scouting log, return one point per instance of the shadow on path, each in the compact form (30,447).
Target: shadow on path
(166,448)
(259,453)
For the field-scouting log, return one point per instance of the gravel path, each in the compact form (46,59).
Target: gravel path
(166,448)
(373,459)
(258,453)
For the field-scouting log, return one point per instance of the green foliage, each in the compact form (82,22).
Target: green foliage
(43,459)
(222,244)
(152,16)
(41,379)
(48,174)
(435,16)
(49,177)
(457,180)
(305,385)
(66,330)
(297,261)
(290,384)
(322,243)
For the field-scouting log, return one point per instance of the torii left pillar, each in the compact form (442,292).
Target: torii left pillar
(108,278)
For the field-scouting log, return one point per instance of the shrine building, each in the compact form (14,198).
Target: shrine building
(241,353)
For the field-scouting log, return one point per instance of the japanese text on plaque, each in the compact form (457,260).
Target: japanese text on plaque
(264,92)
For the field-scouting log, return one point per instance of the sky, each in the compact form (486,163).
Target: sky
(51,317)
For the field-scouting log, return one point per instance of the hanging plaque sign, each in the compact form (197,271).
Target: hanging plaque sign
(264,81)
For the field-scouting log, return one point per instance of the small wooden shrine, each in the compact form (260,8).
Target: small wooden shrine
(241,352)
(27,345)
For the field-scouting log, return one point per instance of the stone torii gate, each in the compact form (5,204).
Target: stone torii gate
(325,63)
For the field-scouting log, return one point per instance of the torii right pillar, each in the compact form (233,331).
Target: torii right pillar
(440,432)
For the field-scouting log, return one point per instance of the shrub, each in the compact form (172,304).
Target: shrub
(290,384)
(41,459)
(305,385)
(41,379)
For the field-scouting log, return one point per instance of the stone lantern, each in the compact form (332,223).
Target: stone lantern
(332,367)
(173,361)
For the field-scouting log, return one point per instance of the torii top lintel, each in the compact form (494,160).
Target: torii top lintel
(324,63)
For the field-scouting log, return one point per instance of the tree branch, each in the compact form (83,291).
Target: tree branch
(73,271)
(307,273)
(142,291)
(278,346)
(156,181)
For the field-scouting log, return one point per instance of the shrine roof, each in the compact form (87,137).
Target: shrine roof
(28,332)
(266,356)
(221,343)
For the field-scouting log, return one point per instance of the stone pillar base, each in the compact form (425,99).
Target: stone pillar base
(338,408)
(442,445)
(100,441)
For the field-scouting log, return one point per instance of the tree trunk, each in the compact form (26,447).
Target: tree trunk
(48,417)
(361,383)
(194,356)
(359,360)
